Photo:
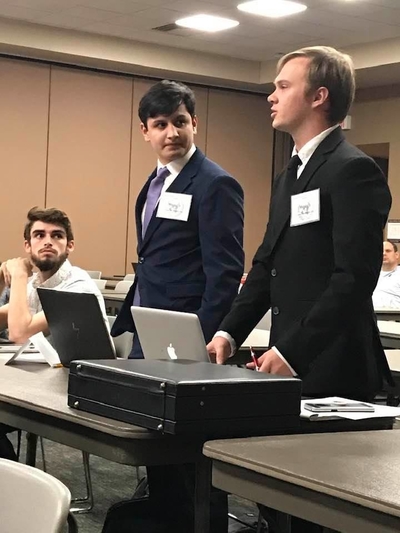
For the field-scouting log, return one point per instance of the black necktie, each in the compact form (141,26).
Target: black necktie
(291,171)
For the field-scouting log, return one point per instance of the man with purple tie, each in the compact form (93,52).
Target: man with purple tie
(189,220)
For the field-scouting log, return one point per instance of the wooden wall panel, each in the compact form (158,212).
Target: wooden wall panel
(88,169)
(240,139)
(24,89)
(144,160)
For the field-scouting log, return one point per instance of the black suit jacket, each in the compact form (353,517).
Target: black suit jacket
(319,277)
(193,266)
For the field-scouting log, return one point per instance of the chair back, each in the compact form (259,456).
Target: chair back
(122,343)
(129,277)
(123,286)
(95,274)
(31,500)
(101,283)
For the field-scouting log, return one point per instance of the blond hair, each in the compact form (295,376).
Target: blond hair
(331,69)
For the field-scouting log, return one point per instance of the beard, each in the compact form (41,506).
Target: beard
(50,263)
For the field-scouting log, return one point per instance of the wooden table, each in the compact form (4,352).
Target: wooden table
(389,332)
(388,314)
(33,397)
(345,481)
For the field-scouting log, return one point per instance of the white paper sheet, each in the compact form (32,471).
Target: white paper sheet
(41,352)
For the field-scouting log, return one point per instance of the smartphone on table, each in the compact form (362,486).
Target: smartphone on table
(339,407)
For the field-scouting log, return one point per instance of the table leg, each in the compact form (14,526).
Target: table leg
(31,446)
(202,495)
(284,522)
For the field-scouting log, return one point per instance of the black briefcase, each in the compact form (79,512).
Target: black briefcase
(186,397)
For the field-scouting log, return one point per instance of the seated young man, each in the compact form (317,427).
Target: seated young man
(48,242)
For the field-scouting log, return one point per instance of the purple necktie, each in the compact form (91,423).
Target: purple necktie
(153,194)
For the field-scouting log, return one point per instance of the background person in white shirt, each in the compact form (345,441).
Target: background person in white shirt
(387,291)
(48,242)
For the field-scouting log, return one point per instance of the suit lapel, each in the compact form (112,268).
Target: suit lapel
(179,185)
(282,200)
(141,200)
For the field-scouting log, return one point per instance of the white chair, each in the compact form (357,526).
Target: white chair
(129,277)
(123,286)
(95,274)
(32,500)
(122,343)
(101,283)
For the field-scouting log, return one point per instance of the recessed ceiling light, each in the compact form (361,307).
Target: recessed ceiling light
(272,8)
(207,23)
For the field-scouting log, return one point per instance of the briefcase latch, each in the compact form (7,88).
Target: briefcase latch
(163,387)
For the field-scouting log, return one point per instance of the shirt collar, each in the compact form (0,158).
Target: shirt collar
(56,279)
(177,165)
(309,148)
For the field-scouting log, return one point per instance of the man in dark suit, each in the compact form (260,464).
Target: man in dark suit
(322,252)
(189,220)
(190,232)
(321,255)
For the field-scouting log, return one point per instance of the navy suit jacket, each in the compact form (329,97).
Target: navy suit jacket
(194,265)
(319,277)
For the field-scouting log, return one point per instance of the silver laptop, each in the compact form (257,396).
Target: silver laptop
(169,334)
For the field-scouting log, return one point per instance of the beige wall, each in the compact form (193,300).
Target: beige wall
(24,105)
(71,139)
(379,122)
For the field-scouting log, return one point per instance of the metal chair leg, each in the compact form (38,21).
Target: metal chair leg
(19,437)
(72,523)
(42,453)
(81,505)
(85,504)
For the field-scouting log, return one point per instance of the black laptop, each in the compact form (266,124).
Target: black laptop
(76,325)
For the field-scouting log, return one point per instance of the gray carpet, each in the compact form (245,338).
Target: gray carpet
(111,482)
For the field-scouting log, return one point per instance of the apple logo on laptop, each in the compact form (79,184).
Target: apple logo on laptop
(171,352)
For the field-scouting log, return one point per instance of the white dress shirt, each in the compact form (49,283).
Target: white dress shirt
(387,290)
(67,278)
(175,167)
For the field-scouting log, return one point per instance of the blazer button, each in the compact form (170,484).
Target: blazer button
(275,310)
(273,272)
(141,260)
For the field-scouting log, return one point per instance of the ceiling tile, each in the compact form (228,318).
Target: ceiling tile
(22,13)
(121,6)
(62,20)
(52,6)
(193,6)
(89,13)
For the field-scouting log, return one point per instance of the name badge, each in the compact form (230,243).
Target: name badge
(174,205)
(305,208)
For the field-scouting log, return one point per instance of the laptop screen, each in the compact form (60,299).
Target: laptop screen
(76,325)
(169,334)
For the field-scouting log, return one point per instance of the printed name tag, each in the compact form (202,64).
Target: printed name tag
(174,205)
(305,208)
